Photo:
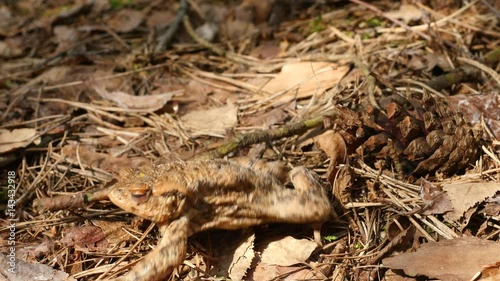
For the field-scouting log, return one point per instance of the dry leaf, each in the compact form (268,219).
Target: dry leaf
(65,36)
(160,19)
(236,29)
(456,259)
(207,31)
(475,107)
(435,198)
(288,251)
(406,12)
(390,275)
(91,237)
(491,272)
(113,231)
(261,9)
(492,209)
(61,12)
(211,121)
(33,253)
(266,272)
(31,271)
(275,116)
(126,20)
(334,146)
(304,79)
(53,75)
(17,138)
(284,260)
(234,256)
(10,48)
(7,21)
(100,160)
(266,50)
(465,195)
(146,103)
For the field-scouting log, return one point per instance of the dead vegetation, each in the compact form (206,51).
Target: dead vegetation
(395,105)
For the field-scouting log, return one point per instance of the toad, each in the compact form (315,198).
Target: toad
(184,198)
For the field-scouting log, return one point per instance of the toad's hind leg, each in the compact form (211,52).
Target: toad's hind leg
(170,253)
(307,202)
(304,181)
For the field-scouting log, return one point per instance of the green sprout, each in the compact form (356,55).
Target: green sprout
(316,24)
(115,4)
(331,238)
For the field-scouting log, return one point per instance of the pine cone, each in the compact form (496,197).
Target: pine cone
(418,135)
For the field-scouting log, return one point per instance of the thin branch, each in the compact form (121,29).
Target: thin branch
(165,39)
(265,136)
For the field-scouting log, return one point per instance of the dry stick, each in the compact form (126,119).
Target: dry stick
(492,9)
(78,200)
(264,136)
(131,250)
(199,40)
(463,73)
(165,39)
(83,199)
(229,55)
(396,21)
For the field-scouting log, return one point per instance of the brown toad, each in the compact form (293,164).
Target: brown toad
(187,197)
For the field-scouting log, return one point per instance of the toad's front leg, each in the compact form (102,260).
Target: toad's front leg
(170,252)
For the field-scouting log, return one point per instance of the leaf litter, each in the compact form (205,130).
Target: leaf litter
(399,111)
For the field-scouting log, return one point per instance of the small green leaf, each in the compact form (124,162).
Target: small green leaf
(115,4)
(374,22)
(331,238)
(316,24)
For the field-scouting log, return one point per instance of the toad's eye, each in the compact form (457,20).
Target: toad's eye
(140,192)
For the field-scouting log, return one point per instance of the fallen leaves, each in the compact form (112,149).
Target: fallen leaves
(334,146)
(31,271)
(288,251)
(147,103)
(436,200)
(284,257)
(457,259)
(17,138)
(84,155)
(467,195)
(87,238)
(406,12)
(212,121)
(10,48)
(279,71)
(235,255)
(126,20)
(477,107)
(304,79)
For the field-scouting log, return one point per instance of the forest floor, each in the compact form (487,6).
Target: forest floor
(395,105)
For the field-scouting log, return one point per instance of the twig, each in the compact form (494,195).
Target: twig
(492,9)
(165,39)
(482,67)
(265,136)
(74,201)
(465,72)
(199,40)
(229,55)
(449,79)
(131,250)
(396,21)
